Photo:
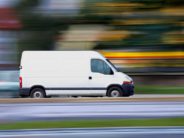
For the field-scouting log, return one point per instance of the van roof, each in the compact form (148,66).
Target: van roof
(76,54)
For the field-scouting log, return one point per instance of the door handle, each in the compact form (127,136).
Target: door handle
(90,78)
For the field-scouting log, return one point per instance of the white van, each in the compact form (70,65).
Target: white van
(71,73)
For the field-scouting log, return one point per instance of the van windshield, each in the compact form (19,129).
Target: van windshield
(112,65)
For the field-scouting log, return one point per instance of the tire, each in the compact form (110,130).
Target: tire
(74,96)
(114,92)
(126,95)
(23,96)
(38,93)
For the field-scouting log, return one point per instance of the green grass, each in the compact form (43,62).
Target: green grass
(158,90)
(94,123)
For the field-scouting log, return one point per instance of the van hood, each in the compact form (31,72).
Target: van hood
(128,78)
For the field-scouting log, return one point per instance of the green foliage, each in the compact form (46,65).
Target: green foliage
(143,35)
(94,123)
(26,4)
(142,89)
(39,32)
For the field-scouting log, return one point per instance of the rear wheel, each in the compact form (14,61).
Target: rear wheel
(114,92)
(38,93)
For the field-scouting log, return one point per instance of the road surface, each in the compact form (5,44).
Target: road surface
(99,110)
(152,132)
(134,98)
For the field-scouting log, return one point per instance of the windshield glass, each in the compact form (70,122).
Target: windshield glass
(112,65)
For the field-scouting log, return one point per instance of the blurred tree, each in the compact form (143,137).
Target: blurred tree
(173,2)
(144,20)
(39,32)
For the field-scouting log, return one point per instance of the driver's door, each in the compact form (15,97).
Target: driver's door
(101,76)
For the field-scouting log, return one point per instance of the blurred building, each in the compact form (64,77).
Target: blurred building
(59,7)
(80,37)
(9,27)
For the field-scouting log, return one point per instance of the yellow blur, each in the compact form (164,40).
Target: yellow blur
(110,54)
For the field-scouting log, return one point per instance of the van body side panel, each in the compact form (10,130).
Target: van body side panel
(60,73)
(101,80)
(66,73)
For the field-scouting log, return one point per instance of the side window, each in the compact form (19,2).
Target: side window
(107,69)
(100,66)
(97,66)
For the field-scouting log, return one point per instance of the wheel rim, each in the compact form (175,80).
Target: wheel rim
(115,93)
(37,94)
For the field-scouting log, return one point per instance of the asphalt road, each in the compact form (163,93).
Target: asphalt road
(154,132)
(134,98)
(53,111)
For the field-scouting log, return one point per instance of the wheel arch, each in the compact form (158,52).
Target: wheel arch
(113,85)
(36,86)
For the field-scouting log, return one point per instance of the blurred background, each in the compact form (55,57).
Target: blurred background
(143,38)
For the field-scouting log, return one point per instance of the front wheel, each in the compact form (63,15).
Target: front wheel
(38,93)
(114,92)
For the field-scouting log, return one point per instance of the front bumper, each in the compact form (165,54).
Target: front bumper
(128,89)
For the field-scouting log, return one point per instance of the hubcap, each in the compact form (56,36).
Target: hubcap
(37,94)
(115,93)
